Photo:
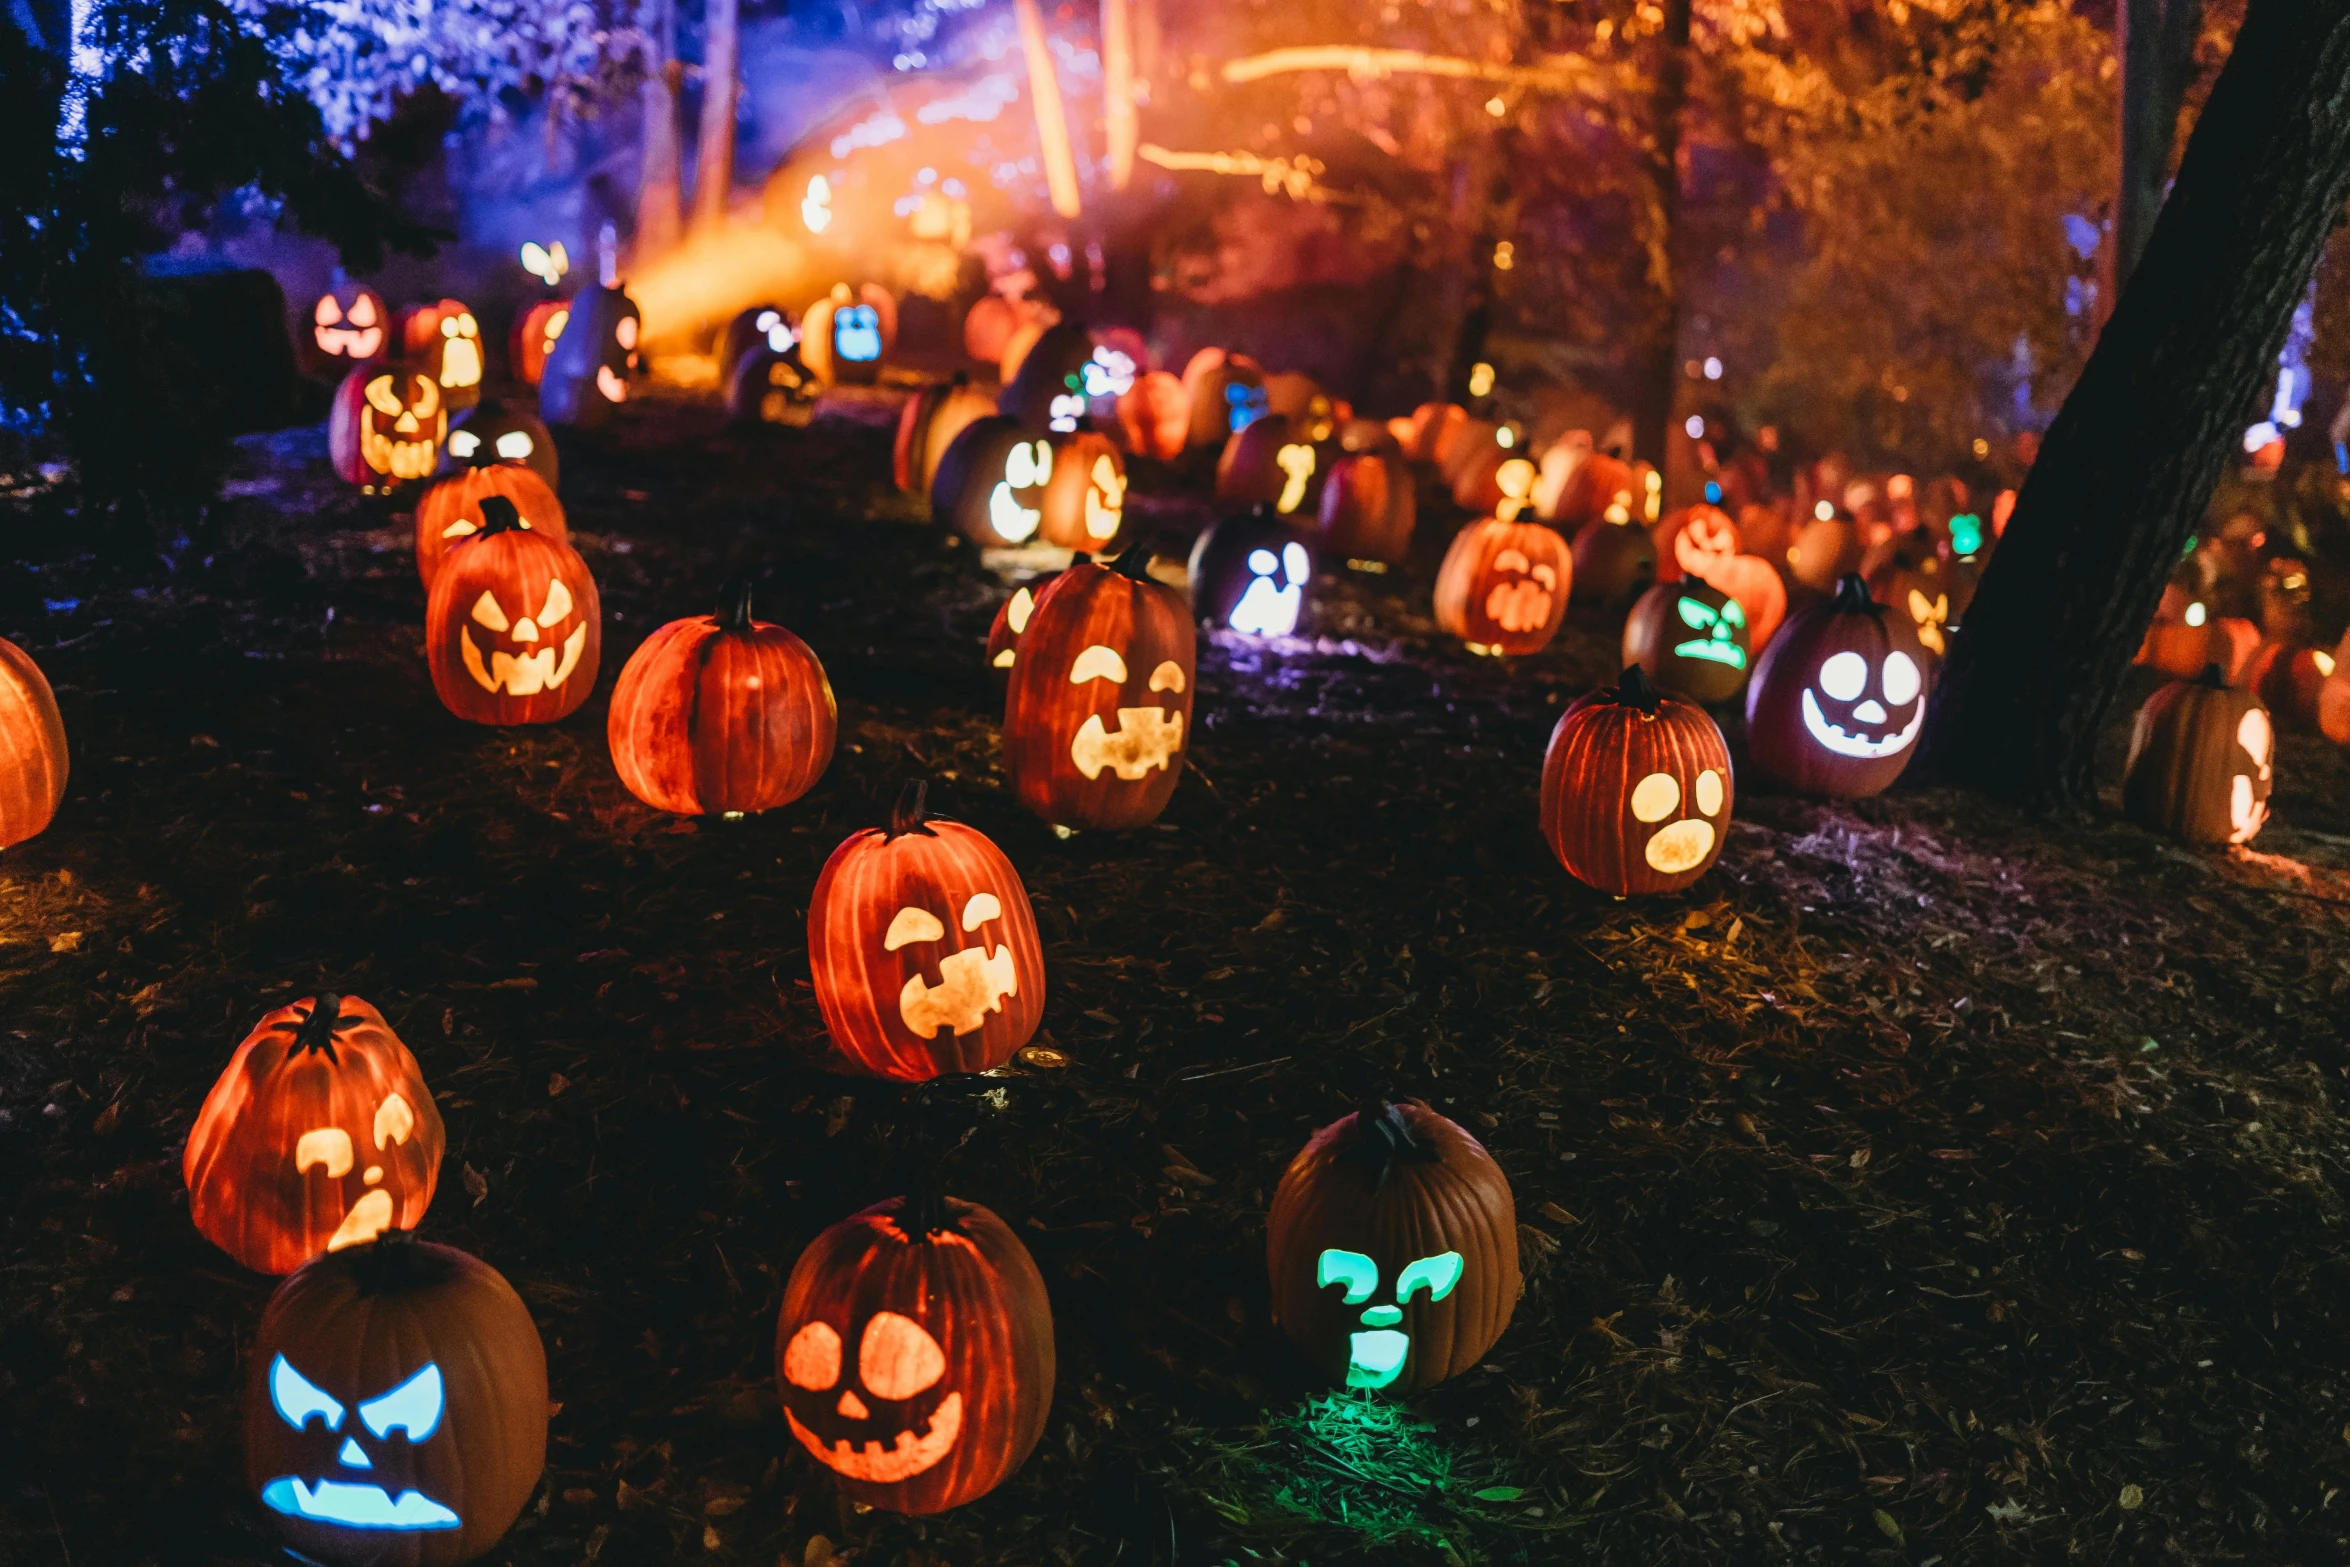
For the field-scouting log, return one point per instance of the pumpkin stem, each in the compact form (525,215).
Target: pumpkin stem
(317,1031)
(393,1261)
(734,605)
(2212,679)
(1853,596)
(1635,690)
(1134,564)
(499,515)
(1383,1138)
(923,1211)
(910,813)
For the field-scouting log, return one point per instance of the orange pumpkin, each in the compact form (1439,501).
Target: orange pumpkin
(386,424)
(32,747)
(2333,697)
(1694,542)
(451,509)
(1433,430)
(2291,681)
(1760,591)
(1005,631)
(513,627)
(1270,462)
(1223,393)
(1369,508)
(1085,499)
(1154,415)
(1636,789)
(533,338)
(319,1135)
(2183,647)
(444,340)
(1503,586)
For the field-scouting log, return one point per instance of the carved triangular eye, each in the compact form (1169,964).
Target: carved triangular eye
(328,312)
(414,1407)
(298,1398)
(363,311)
(558,603)
(487,613)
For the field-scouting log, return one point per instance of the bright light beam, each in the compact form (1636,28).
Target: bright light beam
(1052,122)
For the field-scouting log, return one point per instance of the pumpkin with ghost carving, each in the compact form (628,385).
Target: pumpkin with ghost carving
(1838,698)
(928,425)
(451,510)
(2202,762)
(1084,506)
(1099,706)
(1393,1249)
(1689,638)
(923,949)
(1251,572)
(914,1353)
(1503,587)
(395,1406)
(587,372)
(1369,509)
(386,424)
(444,340)
(32,747)
(348,324)
(1154,415)
(846,335)
(1272,462)
(1636,789)
(319,1135)
(721,713)
(513,627)
(537,328)
(495,431)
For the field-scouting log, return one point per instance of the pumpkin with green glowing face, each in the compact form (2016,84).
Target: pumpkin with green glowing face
(1689,638)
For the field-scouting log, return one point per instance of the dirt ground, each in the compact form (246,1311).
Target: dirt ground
(1925,1185)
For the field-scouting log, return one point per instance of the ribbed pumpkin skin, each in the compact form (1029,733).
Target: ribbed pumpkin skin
(414,455)
(1600,754)
(1460,1201)
(975,1291)
(1147,624)
(1777,736)
(528,345)
(2186,754)
(1369,508)
(710,719)
(356,1343)
(1754,582)
(1501,606)
(244,1192)
(32,747)
(939,866)
(1005,631)
(454,503)
(518,566)
(1155,415)
(928,424)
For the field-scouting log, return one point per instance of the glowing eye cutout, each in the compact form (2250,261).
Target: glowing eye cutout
(1296,563)
(363,311)
(514,446)
(1697,614)
(467,326)
(558,604)
(1902,681)
(1546,574)
(1357,1272)
(297,1399)
(462,528)
(414,1407)
(896,1358)
(464,443)
(812,1358)
(428,397)
(625,332)
(911,925)
(1016,616)
(1437,1275)
(381,397)
(329,1146)
(1167,677)
(1734,613)
(1097,663)
(1656,797)
(487,613)
(982,908)
(1511,560)
(1262,562)
(393,1121)
(448,326)
(1844,676)
(1709,792)
(2256,737)
(328,312)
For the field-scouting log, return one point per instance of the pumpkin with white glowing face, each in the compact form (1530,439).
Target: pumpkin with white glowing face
(444,340)
(513,627)
(1099,705)
(2202,762)
(914,1353)
(1271,462)
(387,424)
(923,949)
(451,510)
(587,371)
(992,480)
(1503,586)
(768,385)
(1838,698)
(1251,572)
(319,1134)
(1689,638)
(349,324)
(1636,789)
(496,432)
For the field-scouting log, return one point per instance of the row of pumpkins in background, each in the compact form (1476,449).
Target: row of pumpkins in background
(398,1388)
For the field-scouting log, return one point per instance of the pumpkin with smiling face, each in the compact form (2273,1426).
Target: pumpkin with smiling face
(991,481)
(1084,506)
(1636,789)
(2202,762)
(923,949)
(1503,587)
(386,425)
(451,510)
(1838,698)
(513,627)
(1099,706)
(348,324)
(914,1353)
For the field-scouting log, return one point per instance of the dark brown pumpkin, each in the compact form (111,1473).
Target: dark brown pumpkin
(1838,698)
(2202,762)
(1689,638)
(1636,789)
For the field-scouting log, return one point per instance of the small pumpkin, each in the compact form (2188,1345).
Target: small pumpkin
(513,627)
(1433,430)
(1270,462)
(1615,562)
(2202,762)
(537,328)
(721,713)
(914,1353)
(928,425)
(2184,644)
(495,432)
(1223,393)
(1085,499)
(1689,637)
(395,1406)
(1695,541)
(1393,1249)
(1302,401)
(444,340)
(2284,602)
(1369,509)
(2333,697)
(451,510)
(386,424)
(768,385)
(759,326)
(1838,697)
(1503,587)
(1823,550)
(1917,586)
(2291,681)
(1760,591)
(1579,487)
(587,372)
(348,324)
(1491,476)
(32,747)
(846,335)
(1154,416)
(923,949)
(1251,572)
(1636,789)
(1005,631)
(319,1134)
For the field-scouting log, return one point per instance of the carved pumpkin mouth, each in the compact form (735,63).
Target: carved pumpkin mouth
(357,1506)
(908,1456)
(1374,1358)
(972,983)
(390,455)
(1856,742)
(526,675)
(1013,522)
(1146,738)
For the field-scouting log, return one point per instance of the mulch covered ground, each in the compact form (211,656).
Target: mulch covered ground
(1926,1184)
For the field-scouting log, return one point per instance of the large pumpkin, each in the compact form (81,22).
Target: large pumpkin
(1690,638)
(923,948)
(1251,572)
(721,713)
(451,509)
(386,424)
(1636,789)
(1223,393)
(1154,415)
(1615,562)
(395,1406)
(1369,509)
(1503,586)
(586,373)
(2202,762)
(496,432)
(320,1134)
(1393,1249)
(513,627)
(1838,698)
(914,1353)
(1099,705)
(928,425)
(444,340)
(32,747)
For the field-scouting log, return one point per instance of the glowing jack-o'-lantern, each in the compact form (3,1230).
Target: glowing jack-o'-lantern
(1047,391)
(923,949)
(1099,703)
(500,432)
(513,627)
(759,326)
(349,324)
(2202,762)
(1270,462)
(1503,586)
(845,336)
(537,328)
(1393,1249)
(914,1353)
(1689,638)
(1636,789)
(928,425)
(386,425)
(1154,416)
(318,1135)
(1222,393)
(444,340)
(396,1406)
(32,747)
(992,480)
(1005,631)
(1694,542)
(1369,509)
(1250,572)
(451,510)
(721,713)
(1084,505)
(586,372)
(1838,697)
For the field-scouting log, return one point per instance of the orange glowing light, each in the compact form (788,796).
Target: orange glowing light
(1052,122)
(1118,117)
(1560,73)
(1291,176)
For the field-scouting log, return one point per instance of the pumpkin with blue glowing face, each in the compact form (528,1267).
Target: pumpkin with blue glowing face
(1393,1247)
(395,1406)
(845,336)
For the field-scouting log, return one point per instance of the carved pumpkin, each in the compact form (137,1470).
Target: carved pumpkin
(395,1406)
(451,510)
(1838,698)
(845,336)
(1224,393)
(444,341)
(2333,697)
(496,432)
(721,713)
(2284,602)
(1615,562)
(1155,416)
(767,385)
(1695,541)
(2291,681)
(1393,1249)
(1491,476)
(513,628)
(1251,572)
(1099,705)
(537,328)
(1270,462)
(1917,587)
(2184,644)
(1760,591)
(923,948)
(1503,587)
(2202,762)
(32,747)
(1824,550)
(1301,400)
(1636,789)
(1005,631)
(348,323)
(1579,487)
(1689,637)
(760,326)
(1085,499)
(914,1353)
(928,425)
(1432,431)
(386,424)
(1369,509)
(586,373)
(991,482)
(1048,390)
(319,1135)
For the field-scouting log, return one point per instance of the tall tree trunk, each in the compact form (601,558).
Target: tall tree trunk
(714,156)
(2155,40)
(660,196)
(2128,466)
(1659,367)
